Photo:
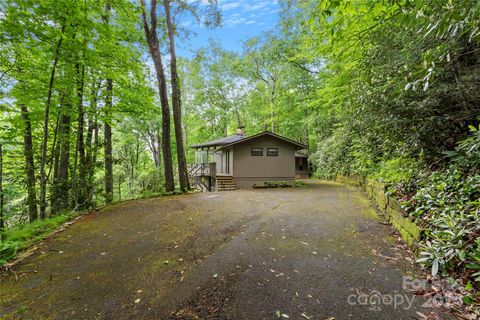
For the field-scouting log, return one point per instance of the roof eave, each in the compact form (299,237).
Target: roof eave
(205,146)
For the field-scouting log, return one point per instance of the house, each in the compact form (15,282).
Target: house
(240,161)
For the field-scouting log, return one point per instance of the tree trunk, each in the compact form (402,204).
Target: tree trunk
(154,50)
(96,145)
(56,157)
(2,219)
(91,144)
(56,147)
(119,188)
(43,159)
(150,137)
(61,186)
(160,152)
(29,165)
(176,102)
(51,160)
(136,157)
(107,135)
(108,144)
(272,104)
(78,187)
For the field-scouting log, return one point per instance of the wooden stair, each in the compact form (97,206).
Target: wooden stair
(197,183)
(225,183)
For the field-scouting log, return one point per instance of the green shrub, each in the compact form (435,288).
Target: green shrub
(400,175)
(474,263)
(447,206)
(467,152)
(8,250)
(299,184)
(332,156)
(277,184)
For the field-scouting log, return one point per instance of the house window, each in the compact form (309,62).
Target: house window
(204,156)
(257,152)
(272,152)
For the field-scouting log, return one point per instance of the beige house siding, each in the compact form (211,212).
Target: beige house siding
(249,170)
(231,160)
(218,161)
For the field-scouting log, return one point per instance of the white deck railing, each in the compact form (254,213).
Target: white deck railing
(202,170)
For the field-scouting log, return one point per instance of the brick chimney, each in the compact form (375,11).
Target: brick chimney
(241,131)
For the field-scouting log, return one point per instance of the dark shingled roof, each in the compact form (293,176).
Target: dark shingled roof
(298,145)
(231,140)
(219,142)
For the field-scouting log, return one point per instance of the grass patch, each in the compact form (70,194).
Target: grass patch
(21,237)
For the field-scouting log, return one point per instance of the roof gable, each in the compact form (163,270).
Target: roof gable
(266,133)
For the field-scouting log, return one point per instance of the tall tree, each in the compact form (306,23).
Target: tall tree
(60,188)
(29,164)
(91,143)
(107,134)
(151,36)
(43,158)
(176,101)
(107,143)
(266,65)
(78,184)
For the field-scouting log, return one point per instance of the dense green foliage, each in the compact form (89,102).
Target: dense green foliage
(400,78)
(446,205)
(56,56)
(400,88)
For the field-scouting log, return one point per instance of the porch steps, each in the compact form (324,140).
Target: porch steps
(225,183)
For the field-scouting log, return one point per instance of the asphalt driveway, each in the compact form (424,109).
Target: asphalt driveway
(313,252)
